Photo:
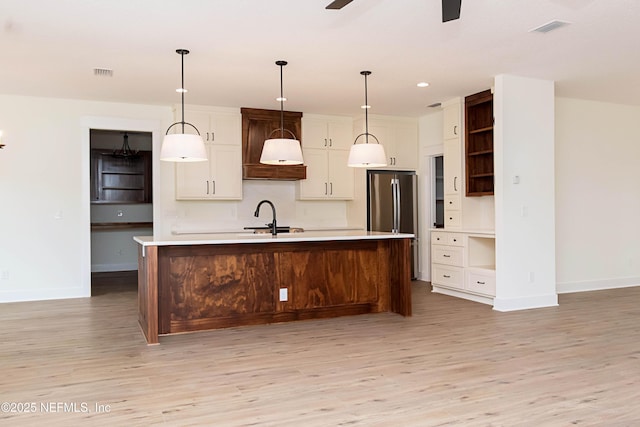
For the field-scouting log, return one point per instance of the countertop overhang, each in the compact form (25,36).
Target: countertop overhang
(248,237)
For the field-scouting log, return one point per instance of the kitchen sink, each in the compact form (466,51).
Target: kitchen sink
(267,230)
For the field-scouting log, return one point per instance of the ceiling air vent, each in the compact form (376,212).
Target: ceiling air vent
(102,72)
(549,26)
(437,104)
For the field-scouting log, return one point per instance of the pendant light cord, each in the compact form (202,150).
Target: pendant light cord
(182,52)
(281,102)
(366,110)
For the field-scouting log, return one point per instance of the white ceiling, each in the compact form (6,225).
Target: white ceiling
(49,48)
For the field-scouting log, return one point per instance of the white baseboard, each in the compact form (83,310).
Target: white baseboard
(525,303)
(101,268)
(43,294)
(461,294)
(597,285)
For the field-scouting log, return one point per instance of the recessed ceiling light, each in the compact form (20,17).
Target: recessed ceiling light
(423,84)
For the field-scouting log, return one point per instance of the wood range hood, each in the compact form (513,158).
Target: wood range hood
(257,124)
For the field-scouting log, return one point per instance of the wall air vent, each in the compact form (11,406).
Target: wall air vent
(102,72)
(549,26)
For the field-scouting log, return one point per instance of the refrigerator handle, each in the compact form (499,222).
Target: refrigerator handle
(395,196)
(398,206)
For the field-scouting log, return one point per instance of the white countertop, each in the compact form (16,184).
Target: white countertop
(249,237)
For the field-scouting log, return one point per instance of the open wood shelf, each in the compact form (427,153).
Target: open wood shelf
(479,144)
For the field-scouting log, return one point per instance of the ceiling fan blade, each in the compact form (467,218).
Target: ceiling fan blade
(338,4)
(450,10)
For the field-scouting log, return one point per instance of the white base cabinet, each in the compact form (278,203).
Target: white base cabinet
(463,264)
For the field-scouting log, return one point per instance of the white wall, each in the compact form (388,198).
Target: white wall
(525,211)
(597,195)
(44,188)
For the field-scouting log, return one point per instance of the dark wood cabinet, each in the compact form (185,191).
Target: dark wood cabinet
(257,126)
(479,144)
(120,179)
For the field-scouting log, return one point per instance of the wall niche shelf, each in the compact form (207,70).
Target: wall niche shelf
(479,144)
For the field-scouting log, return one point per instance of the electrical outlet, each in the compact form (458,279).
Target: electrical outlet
(120,213)
(284,294)
(4,275)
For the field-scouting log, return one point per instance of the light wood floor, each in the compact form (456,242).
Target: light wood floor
(454,363)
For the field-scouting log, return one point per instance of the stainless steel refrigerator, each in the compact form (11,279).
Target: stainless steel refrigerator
(392,206)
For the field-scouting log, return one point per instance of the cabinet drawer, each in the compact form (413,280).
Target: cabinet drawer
(452,202)
(439,238)
(452,219)
(481,283)
(455,239)
(447,276)
(448,255)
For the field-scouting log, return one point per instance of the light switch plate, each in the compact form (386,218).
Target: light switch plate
(284,294)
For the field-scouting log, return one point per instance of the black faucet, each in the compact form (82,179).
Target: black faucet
(273,225)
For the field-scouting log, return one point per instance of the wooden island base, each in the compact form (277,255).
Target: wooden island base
(185,288)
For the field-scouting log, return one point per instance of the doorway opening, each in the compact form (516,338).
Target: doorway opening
(121,206)
(437,214)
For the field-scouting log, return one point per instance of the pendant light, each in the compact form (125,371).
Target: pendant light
(125,152)
(366,155)
(281,151)
(183,147)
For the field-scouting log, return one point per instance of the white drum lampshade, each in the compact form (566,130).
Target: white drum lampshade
(280,151)
(367,156)
(183,147)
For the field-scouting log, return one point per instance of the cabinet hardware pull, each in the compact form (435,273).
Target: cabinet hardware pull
(447,256)
(330,142)
(446,276)
(455,130)
(325,142)
(455,183)
(213,136)
(325,188)
(331,188)
(479,282)
(214,187)
(455,240)
(207,183)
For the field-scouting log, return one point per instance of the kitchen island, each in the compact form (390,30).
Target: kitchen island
(198,282)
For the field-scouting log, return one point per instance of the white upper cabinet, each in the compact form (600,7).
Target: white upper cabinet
(221,176)
(398,136)
(326,141)
(327,132)
(452,122)
(452,164)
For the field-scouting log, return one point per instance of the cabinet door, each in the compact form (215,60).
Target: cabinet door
(405,137)
(340,135)
(314,133)
(452,166)
(226,172)
(452,128)
(226,129)
(192,179)
(341,176)
(200,119)
(316,186)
